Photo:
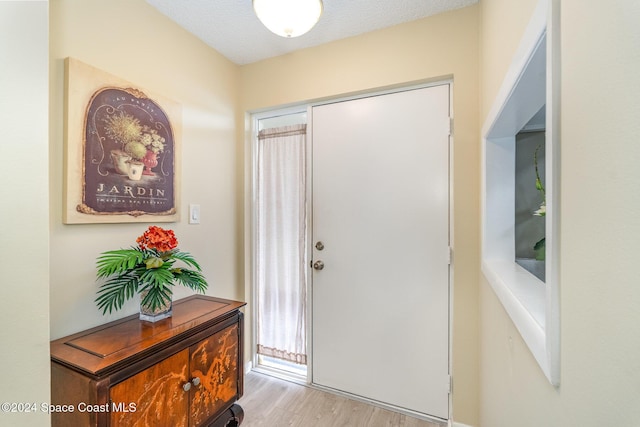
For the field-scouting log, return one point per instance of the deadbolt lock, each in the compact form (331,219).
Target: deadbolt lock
(319,246)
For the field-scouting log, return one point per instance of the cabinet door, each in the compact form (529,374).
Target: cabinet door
(153,397)
(214,361)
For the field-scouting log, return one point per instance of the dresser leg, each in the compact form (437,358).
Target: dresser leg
(232,417)
(238,415)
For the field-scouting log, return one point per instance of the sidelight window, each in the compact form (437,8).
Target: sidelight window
(280,243)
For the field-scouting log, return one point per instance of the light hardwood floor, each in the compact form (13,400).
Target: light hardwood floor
(271,402)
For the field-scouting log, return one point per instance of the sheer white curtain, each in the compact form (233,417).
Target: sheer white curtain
(281,249)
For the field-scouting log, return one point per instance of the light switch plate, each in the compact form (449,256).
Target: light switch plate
(194,214)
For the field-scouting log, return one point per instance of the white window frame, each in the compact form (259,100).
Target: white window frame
(251,144)
(532,305)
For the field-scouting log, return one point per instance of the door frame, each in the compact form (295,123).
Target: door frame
(252,118)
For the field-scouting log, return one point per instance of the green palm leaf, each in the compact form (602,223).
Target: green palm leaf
(187,258)
(191,279)
(118,261)
(156,277)
(115,291)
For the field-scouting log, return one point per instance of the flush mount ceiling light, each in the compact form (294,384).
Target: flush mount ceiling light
(288,18)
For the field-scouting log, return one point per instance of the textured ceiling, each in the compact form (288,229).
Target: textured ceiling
(231,27)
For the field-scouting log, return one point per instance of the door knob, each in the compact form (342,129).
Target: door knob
(318,265)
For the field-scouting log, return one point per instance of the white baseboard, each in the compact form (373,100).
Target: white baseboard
(455,424)
(247,367)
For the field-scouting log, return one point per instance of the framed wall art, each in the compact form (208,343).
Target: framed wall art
(122,150)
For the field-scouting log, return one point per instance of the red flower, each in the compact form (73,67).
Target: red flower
(158,238)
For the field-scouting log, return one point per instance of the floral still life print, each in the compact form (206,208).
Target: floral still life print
(129,156)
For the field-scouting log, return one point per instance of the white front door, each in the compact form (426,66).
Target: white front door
(381,212)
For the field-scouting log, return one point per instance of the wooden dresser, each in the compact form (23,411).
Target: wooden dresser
(184,371)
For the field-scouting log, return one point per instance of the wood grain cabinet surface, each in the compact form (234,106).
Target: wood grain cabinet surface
(184,371)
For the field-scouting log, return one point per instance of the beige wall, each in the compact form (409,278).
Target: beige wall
(130,39)
(600,203)
(428,49)
(24,215)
